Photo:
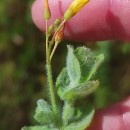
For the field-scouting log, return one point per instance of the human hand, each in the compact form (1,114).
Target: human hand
(99,20)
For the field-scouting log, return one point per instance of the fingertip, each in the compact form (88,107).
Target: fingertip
(98,20)
(37,13)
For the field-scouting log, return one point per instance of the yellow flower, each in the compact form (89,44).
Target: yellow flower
(74,8)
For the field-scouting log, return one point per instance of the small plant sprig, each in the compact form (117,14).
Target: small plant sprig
(75,81)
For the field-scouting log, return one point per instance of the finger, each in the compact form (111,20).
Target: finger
(116,117)
(98,20)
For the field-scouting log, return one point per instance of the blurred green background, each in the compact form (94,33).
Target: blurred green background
(22,72)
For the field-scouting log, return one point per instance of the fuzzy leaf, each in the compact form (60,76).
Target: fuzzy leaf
(81,90)
(85,58)
(73,66)
(43,113)
(62,82)
(88,62)
(98,60)
(36,128)
(82,123)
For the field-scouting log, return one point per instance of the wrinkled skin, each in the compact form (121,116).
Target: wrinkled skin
(99,20)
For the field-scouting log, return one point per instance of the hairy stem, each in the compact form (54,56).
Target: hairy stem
(51,88)
(49,72)
(66,111)
(47,40)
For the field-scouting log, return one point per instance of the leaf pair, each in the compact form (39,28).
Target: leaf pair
(73,81)
(81,124)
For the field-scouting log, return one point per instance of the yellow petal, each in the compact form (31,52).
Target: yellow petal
(74,8)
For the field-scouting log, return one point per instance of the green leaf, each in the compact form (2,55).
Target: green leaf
(73,66)
(43,113)
(82,123)
(37,128)
(85,58)
(88,62)
(82,90)
(98,60)
(62,82)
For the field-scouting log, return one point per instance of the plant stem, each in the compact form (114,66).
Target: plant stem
(66,111)
(49,72)
(54,49)
(51,88)
(47,41)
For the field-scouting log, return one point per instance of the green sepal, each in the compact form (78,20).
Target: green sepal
(37,128)
(73,66)
(44,113)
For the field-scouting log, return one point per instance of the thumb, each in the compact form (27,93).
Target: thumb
(98,20)
(116,117)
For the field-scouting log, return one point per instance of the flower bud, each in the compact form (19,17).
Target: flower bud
(60,34)
(74,8)
(50,29)
(57,22)
(47,13)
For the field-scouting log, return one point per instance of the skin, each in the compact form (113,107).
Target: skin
(99,20)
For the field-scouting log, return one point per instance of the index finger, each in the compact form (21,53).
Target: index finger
(98,20)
